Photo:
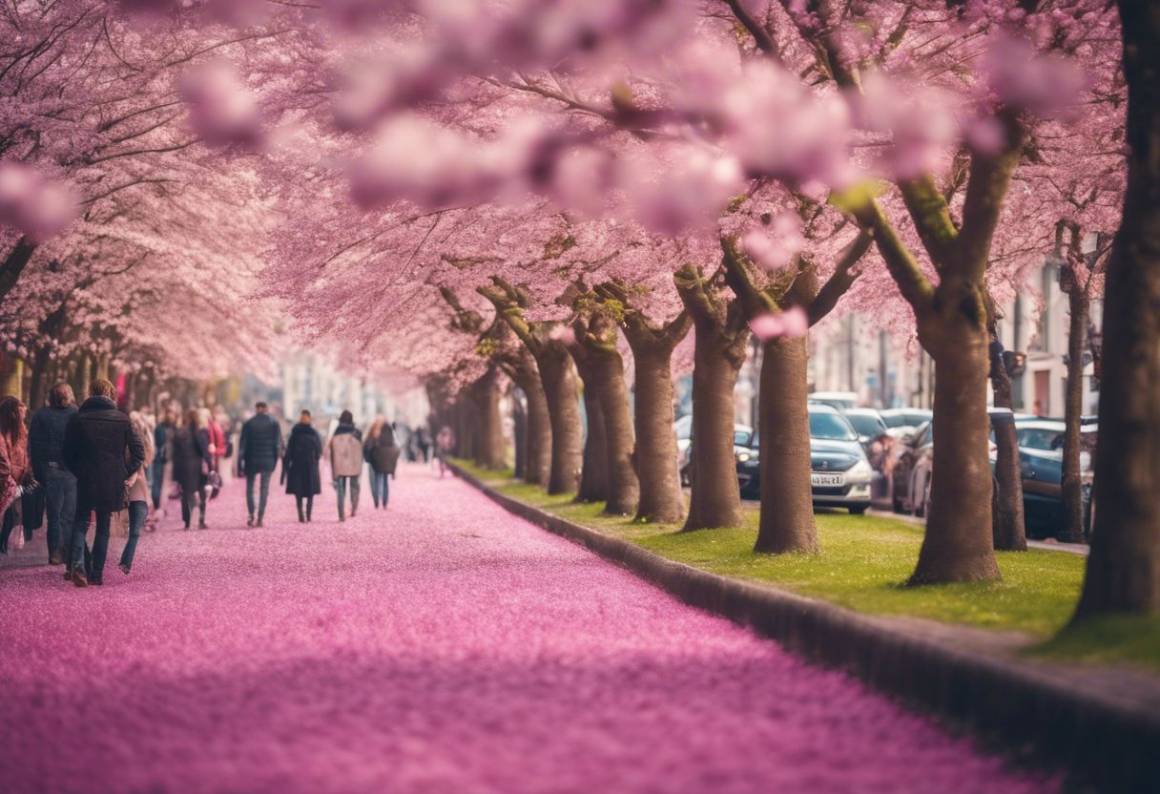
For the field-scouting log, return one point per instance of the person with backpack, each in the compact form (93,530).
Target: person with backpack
(382,453)
(346,462)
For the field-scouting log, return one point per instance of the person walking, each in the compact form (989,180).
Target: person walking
(16,476)
(45,446)
(444,443)
(300,466)
(102,450)
(346,462)
(382,453)
(192,464)
(137,490)
(423,442)
(259,448)
(162,439)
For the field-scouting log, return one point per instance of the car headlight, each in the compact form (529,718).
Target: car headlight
(743,457)
(861,470)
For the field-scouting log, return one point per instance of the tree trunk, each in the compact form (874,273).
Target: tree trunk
(594,474)
(85,371)
(14,263)
(490,450)
(602,370)
(787,510)
(1123,568)
(958,545)
(558,377)
(520,435)
(1071,483)
(38,387)
(538,424)
(1008,527)
(661,499)
(716,497)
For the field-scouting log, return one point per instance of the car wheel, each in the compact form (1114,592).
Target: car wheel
(857,510)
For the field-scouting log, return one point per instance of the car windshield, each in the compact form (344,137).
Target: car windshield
(894,420)
(917,418)
(741,438)
(1040,438)
(831,426)
(867,424)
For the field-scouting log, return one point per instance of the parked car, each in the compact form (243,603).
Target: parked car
(910,478)
(840,400)
(1041,467)
(840,473)
(903,422)
(741,438)
(867,423)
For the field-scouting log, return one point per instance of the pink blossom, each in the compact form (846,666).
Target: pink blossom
(791,322)
(775,249)
(1022,78)
(40,208)
(221,109)
(563,334)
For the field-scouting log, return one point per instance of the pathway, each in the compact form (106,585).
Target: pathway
(439,646)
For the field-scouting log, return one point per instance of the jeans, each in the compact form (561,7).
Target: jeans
(341,485)
(156,481)
(95,564)
(60,504)
(263,491)
(137,514)
(380,487)
(187,502)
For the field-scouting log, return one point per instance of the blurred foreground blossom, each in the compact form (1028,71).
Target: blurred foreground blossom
(775,249)
(221,109)
(39,207)
(791,322)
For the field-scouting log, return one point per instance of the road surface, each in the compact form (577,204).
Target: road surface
(439,646)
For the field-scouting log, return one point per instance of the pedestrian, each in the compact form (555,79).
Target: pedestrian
(162,439)
(137,491)
(16,477)
(382,453)
(102,450)
(444,442)
(192,464)
(345,451)
(259,448)
(46,445)
(423,442)
(300,466)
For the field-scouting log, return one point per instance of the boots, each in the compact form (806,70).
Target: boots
(201,519)
(301,515)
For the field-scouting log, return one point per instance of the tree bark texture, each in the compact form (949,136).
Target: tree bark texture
(491,450)
(787,509)
(1071,483)
(1123,568)
(1009,531)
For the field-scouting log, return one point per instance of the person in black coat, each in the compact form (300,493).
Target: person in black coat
(258,451)
(162,437)
(192,463)
(102,451)
(300,466)
(46,447)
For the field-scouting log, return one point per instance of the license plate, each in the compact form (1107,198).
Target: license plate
(826,479)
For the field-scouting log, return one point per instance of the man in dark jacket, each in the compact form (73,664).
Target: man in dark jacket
(96,441)
(45,446)
(258,452)
(162,436)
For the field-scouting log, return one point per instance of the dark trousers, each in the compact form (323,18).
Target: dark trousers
(263,491)
(80,551)
(10,523)
(138,511)
(188,500)
(156,480)
(309,502)
(60,505)
(380,487)
(342,484)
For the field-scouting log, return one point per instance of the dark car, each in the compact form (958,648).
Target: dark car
(840,473)
(1041,467)
(867,423)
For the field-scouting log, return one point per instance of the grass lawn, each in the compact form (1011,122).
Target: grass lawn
(864,563)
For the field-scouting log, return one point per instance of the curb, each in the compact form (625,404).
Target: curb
(1103,744)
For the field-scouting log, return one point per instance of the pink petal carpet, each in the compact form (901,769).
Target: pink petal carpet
(438,646)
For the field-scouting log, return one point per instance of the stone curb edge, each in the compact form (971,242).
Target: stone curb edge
(1014,708)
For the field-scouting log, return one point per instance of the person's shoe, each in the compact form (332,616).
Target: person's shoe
(96,580)
(187,525)
(202,525)
(124,568)
(54,558)
(250,521)
(78,578)
(67,575)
